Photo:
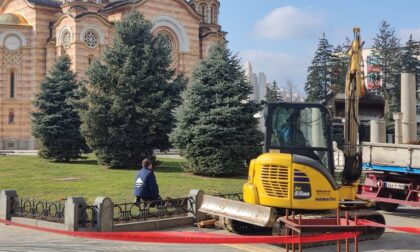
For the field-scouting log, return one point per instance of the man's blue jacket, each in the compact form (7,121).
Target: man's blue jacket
(145,185)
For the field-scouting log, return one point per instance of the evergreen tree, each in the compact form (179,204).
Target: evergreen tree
(318,84)
(273,93)
(216,131)
(385,51)
(131,95)
(410,62)
(340,66)
(56,124)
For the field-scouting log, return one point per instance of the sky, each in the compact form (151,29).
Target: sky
(280,37)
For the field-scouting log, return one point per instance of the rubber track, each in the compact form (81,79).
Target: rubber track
(239,227)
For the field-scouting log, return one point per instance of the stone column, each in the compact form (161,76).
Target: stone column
(197,196)
(408,107)
(398,127)
(104,212)
(377,131)
(8,202)
(72,213)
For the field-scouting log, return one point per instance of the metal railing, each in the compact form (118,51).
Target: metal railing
(159,209)
(38,209)
(88,216)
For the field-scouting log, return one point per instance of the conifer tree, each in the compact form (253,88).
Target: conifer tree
(131,95)
(56,123)
(386,51)
(319,79)
(339,69)
(273,93)
(216,131)
(410,62)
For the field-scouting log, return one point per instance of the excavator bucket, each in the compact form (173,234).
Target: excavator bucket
(370,106)
(237,210)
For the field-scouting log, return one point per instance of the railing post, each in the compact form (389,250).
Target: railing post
(104,212)
(72,213)
(8,203)
(197,196)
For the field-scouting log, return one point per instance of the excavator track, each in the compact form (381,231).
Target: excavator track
(239,227)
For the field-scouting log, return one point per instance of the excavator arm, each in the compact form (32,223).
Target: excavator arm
(354,89)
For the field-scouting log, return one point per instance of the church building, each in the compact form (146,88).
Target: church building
(33,33)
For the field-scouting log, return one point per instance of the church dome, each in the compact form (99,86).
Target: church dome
(12,19)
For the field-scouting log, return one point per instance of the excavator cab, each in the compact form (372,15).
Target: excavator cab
(296,170)
(302,129)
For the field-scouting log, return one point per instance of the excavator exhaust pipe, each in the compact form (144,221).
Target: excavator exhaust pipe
(237,210)
(370,105)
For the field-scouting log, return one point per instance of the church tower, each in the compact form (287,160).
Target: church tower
(208,9)
(210,30)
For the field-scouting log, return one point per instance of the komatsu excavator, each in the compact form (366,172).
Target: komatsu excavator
(296,170)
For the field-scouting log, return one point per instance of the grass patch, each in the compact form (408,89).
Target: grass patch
(36,178)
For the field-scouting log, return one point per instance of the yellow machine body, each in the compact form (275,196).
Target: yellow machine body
(275,180)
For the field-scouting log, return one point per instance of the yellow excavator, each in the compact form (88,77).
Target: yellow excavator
(296,170)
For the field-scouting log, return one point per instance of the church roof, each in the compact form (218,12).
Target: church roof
(12,19)
(48,3)
(114,4)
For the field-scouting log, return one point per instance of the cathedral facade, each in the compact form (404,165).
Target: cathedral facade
(33,33)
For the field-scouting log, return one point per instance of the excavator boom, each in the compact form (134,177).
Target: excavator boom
(354,104)
(353,91)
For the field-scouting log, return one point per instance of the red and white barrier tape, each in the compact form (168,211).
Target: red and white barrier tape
(192,237)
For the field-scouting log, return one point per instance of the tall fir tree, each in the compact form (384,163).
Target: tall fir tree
(340,66)
(319,80)
(386,50)
(409,59)
(273,93)
(216,131)
(131,95)
(56,123)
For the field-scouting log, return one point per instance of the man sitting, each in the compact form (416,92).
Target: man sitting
(146,187)
(290,134)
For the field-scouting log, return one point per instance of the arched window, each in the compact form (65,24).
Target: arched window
(11,116)
(12,79)
(173,43)
(204,13)
(214,13)
(66,40)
